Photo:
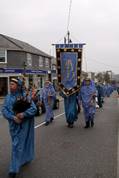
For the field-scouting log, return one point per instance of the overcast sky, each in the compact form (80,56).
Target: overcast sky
(43,22)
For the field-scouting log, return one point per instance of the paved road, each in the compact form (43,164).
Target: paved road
(62,152)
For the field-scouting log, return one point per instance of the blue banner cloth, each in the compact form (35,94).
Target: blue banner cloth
(69,69)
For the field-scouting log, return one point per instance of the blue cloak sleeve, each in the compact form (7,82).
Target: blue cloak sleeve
(7,108)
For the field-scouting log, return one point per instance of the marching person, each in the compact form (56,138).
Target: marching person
(100,94)
(71,108)
(108,89)
(21,126)
(48,96)
(87,97)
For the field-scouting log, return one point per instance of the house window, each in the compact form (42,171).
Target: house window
(47,62)
(29,59)
(53,66)
(3,56)
(40,61)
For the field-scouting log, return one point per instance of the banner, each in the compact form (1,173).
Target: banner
(69,67)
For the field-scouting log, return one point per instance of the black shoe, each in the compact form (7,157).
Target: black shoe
(51,119)
(12,175)
(25,164)
(87,125)
(47,123)
(70,125)
(92,123)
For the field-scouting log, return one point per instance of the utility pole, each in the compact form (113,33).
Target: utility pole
(68,34)
(24,66)
(65,40)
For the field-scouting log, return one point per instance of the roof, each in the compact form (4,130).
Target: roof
(23,46)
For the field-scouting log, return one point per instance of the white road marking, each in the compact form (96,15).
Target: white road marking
(39,125)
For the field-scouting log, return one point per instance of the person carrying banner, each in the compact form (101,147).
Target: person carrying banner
(69,81)
(87,98)
(71,108)
(21,125)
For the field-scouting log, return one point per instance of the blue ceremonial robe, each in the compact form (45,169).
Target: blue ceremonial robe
(100,94)
(108,89)
(22,135)
(48,96)
(70,105)
(88,101)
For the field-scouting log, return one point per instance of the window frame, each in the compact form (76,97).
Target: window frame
(5,52)
(47,62)
(29,59)
(41,61)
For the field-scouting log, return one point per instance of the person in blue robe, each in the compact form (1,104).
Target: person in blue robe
(100,94)
(117,88)
(48,96)
(71,108)
(104,89)
(21,127)
(109,90)
(87,98)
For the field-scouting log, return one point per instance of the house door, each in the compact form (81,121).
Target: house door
(3,86)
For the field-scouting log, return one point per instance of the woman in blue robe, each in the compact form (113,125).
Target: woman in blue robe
(87,97)
(71,108)
(48,96)
(21,127)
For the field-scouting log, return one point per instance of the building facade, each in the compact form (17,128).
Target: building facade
(19,58)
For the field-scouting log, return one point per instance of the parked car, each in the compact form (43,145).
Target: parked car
(41,108)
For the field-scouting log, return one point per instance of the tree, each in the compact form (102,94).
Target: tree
(107,77)
(100,77)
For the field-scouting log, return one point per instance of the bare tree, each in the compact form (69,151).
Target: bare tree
(100,77)
(107,77)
